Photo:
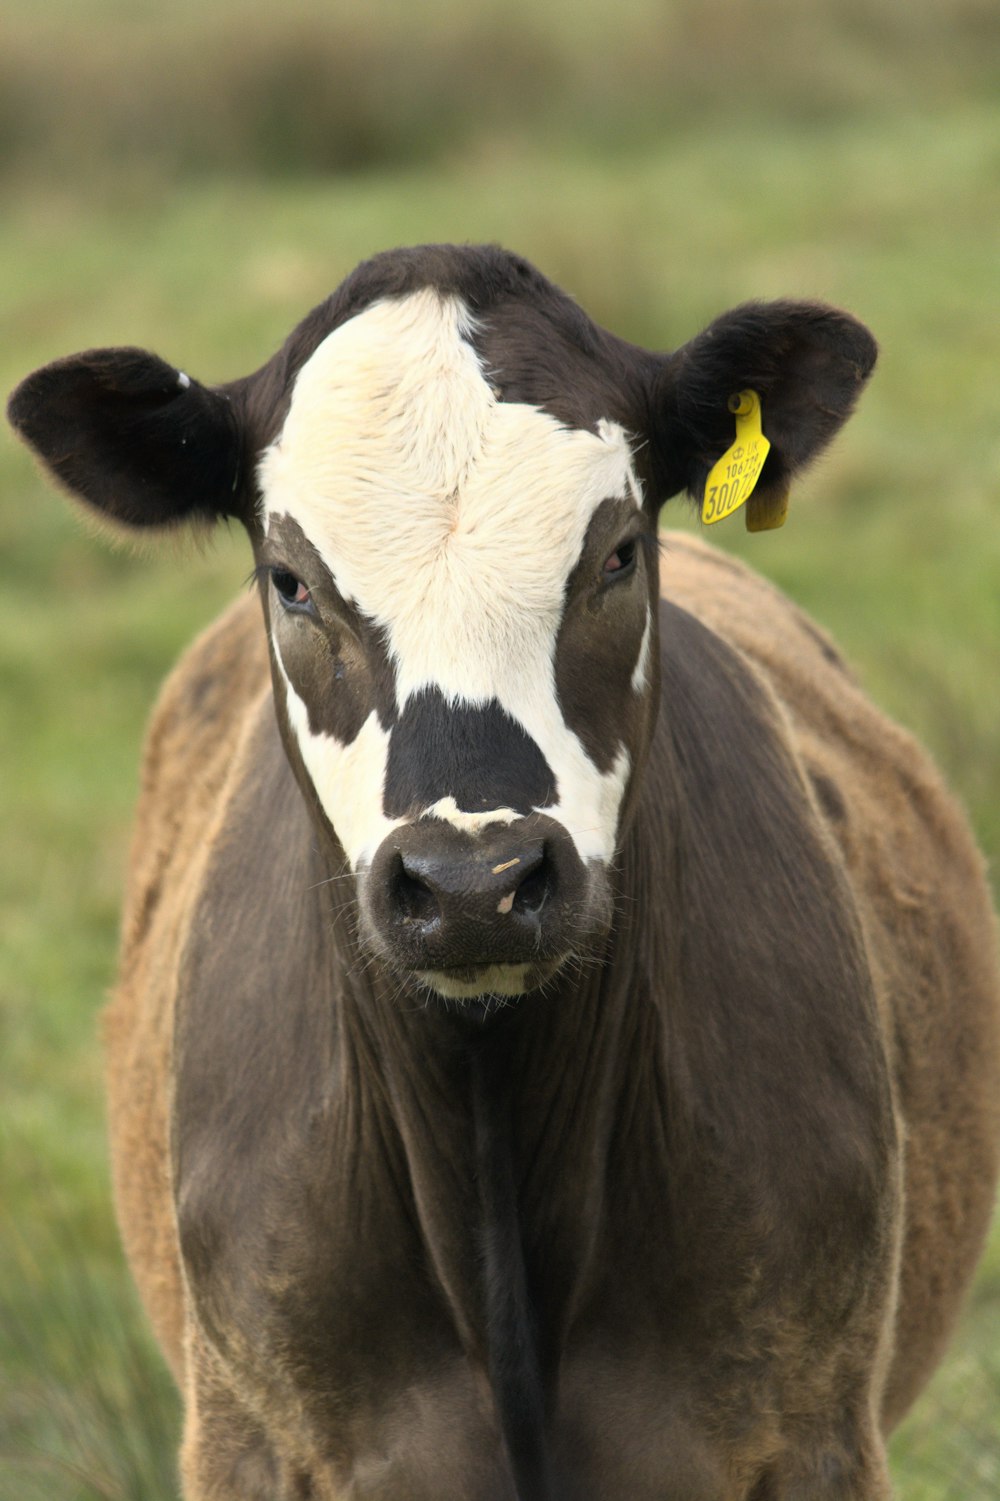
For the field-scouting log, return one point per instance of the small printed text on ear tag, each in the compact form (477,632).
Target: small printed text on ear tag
(732,479)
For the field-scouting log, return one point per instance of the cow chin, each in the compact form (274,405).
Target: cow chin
(488,981)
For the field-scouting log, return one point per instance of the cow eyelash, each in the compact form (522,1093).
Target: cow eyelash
(622,561)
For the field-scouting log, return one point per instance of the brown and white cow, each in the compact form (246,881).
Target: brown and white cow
(557,1051)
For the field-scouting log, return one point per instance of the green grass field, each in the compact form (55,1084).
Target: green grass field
(876,189)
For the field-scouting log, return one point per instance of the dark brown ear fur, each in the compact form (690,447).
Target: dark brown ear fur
(807,364)
(133,437)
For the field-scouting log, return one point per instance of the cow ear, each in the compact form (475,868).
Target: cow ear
(135,438)
(807,364)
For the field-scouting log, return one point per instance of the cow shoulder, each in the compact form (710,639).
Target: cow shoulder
(190,747)
(905,841)
(772,1014)
(918,888)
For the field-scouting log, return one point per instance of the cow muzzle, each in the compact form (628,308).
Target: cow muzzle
(496,911)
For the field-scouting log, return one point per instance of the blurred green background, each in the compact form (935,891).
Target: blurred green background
(193,179)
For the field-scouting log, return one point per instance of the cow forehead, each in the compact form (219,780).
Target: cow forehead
(448,516)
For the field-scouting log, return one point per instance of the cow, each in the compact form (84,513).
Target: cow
(556,1054)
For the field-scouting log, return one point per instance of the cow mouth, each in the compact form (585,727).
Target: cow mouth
(471,982)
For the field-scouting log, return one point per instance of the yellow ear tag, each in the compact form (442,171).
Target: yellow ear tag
(733,478)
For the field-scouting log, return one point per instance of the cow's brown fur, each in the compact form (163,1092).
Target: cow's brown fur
(929,935)
(929,930)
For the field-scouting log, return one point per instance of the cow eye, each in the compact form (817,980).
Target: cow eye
(292,590)
(621,561)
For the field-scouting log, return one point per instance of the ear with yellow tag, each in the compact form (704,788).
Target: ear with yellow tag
(789,373)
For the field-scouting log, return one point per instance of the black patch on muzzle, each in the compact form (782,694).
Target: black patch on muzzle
(479,756)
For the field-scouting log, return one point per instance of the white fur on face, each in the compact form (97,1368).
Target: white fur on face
(452,520)
(640,672)
(348,778)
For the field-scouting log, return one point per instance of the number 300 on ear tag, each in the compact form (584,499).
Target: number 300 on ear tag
(734,476)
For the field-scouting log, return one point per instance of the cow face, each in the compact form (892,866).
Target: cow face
(450,478)
(459,591)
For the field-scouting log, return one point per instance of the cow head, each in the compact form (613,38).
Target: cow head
(451,479)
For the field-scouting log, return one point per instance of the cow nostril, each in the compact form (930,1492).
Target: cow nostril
(531,895)
(413,898)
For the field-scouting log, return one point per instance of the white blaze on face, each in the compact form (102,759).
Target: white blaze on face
(453,520)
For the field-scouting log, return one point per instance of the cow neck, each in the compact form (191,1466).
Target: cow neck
(535,1076)
(504,1132)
